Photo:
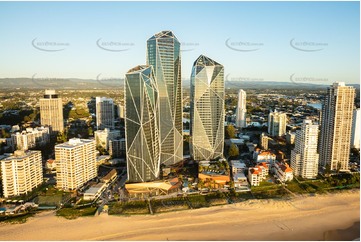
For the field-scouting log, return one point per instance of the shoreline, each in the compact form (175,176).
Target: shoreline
(331,217)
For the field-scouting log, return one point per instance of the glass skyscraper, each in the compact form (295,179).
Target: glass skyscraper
(163,53)
(207,109)
(141,125)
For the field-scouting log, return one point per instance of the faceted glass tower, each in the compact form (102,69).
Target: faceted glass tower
(207,109)
(163,53)
(241,109)
(141,125)
(336,126)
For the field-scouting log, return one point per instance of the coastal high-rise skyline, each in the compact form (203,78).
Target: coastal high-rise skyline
(104,112)
(304,157)
(207,109)
(336,126)
(163,54)
(277,122)
(241,109)
(141,125)
(51,111)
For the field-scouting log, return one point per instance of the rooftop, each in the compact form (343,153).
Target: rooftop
(74,142)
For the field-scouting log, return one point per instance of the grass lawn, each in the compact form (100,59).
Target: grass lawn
(73,213)
(128,208)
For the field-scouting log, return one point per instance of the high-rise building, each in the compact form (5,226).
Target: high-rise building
(304,157)
(207,109)
(163,53)
(21,172)
(51,111)
(104,113)
(355,135)
(241,109)
(30,138)
(264,141)
(141,125)
(336,126)
(75,163)
(277,123)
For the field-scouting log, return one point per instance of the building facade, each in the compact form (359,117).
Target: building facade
(21,172)
(75,163)
(241,109)
(355,135)
(264,141)
(103,137)
(163,54)
(207,109)
(142,125)
(30,138)
(277,123)
(51,112)
(283,172)
(336,126)
(117,148)
(304,157)
(104,113)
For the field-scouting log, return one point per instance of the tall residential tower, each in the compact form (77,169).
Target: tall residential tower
(241,109)
(51,111)
(141,125)
(163,54)
(304,157)
(336,126)
(277,123)
(207,109)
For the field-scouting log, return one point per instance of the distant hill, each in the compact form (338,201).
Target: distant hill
(76,83)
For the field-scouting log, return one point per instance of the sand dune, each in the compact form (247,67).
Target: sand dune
(303,218)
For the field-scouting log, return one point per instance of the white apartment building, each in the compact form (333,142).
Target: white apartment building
(102,137)
(30,138)
(21,172)
(75,163)
(241,109)
(277,123)
(304,157)
(257,174)
(283,172)
(266,156)
(336,126)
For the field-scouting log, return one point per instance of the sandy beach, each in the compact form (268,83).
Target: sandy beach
(321,217)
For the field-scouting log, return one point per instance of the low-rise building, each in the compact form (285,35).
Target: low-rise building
(283,172)
(267,157)
(238,166)
(94,191)
(257,174)
(110,177)
(50,164)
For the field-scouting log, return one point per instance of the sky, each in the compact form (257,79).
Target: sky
(315,42)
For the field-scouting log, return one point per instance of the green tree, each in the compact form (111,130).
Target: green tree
(230,132)
(327,169)
(233,151)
